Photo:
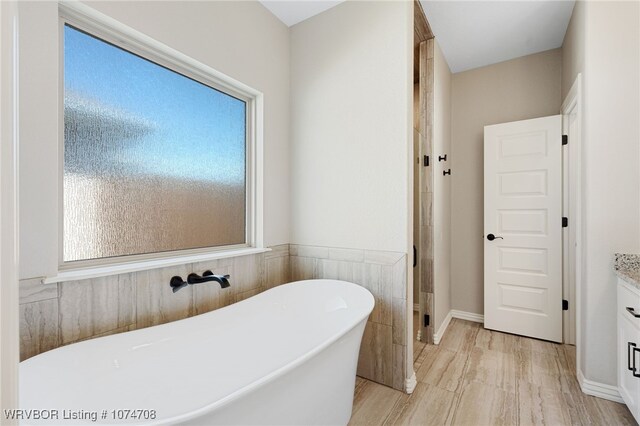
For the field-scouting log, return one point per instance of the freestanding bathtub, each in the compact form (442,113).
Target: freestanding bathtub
(285,356)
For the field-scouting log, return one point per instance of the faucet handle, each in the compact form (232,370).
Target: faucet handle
(177,283)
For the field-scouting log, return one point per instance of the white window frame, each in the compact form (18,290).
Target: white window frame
(112,31)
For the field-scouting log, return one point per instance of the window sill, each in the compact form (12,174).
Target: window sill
(125,268)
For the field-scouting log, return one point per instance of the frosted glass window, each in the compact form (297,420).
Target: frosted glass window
(154,161)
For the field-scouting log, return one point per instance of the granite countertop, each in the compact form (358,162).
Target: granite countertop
(627,267)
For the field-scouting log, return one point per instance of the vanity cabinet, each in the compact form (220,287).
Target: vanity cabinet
(629,345)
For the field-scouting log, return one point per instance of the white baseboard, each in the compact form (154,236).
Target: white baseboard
(599,390)
(469,316)
(443,327)
(410,383)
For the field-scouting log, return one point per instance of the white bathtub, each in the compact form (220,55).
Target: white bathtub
(285,356)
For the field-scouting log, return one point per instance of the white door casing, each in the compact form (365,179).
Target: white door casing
(523,210)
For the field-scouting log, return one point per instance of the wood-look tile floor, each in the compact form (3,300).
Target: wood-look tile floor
(482,377)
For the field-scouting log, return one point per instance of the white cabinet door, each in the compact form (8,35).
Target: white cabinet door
(523,228)
(629,347)
(628,361)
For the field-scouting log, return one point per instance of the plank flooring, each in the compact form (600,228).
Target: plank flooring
(482,377)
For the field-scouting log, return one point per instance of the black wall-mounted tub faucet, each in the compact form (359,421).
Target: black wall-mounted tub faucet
(177,282)
(207,276)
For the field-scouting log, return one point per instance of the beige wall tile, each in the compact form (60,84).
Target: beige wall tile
(110,332)
(303,268)
(372,282)
(399,366)
(247,294)
(400,279)
(386,295)
(277,251)
(376,357)
(399,321)
(328,269)
(341,270)
(382,257)
(33,290)
(313,251)
(156,303)
(38,327)
(248,273)
(277,271)
(349,255)
(95,306)
(378,279)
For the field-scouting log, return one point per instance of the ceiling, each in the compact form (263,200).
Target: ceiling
(473,34)
(293,11)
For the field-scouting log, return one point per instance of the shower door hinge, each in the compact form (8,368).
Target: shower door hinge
(565,305)
(565,139)
(426,161)
(565,222)
(426,320)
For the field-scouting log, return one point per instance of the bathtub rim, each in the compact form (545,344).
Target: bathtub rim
(282,370)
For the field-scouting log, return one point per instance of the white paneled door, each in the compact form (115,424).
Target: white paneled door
(523,227)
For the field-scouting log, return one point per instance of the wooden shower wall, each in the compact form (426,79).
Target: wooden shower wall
(425,243)
(424,68)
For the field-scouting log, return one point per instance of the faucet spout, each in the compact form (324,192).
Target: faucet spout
(207,276)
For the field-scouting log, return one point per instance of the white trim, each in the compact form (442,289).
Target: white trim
(573,102)
(599,390)
(125,268)
(411,383)
(468,316)
(9,313)
(86,18)
(443,327)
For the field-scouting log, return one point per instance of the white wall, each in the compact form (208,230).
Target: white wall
(573,48)
(351,113)
(603,42)
(9,311)
(241,39)
(518,89)
(441,187)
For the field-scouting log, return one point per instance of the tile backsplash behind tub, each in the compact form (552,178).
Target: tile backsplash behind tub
(59,314)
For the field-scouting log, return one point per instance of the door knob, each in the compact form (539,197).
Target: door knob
(492,237)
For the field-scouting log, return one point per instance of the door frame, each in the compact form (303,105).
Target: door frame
(572,104)
(548,323)
(9,300)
